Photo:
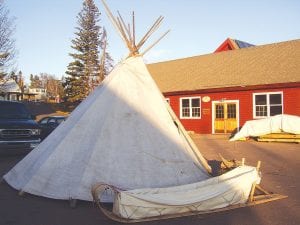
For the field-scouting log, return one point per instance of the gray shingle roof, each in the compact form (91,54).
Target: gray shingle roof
(9,86)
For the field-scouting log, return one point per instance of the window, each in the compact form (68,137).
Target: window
(267,104)
(51,120)
(60,120)
(44,121)
(219,111)
(231,111)
(190,107)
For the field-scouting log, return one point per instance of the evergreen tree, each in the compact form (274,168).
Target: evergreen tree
(84,72)
(31,79)
(20,80)
(74,85)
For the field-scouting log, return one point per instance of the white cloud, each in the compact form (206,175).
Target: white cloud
(157,55)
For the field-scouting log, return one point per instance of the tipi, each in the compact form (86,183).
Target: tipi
(122,134)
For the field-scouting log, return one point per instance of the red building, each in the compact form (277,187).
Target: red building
(232,44)
(219,92)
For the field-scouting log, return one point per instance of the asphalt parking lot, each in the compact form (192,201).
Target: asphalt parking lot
(280,174)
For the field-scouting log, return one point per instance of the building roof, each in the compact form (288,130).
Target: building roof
(9,86)
(243,44)
(232,44)
(260,65)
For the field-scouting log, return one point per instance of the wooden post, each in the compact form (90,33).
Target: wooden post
(258,165)
(151,46)
(262,190)
(251,196)
(243,161)
(252,192)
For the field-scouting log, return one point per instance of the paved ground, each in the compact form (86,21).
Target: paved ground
(280,168)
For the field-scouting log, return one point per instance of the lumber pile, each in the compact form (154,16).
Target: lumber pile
(280,137)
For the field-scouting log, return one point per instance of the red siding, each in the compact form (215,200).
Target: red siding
(291,105)
(291,101)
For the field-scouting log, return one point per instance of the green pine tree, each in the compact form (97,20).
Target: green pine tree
(74,84)
(83,72)
(20,81)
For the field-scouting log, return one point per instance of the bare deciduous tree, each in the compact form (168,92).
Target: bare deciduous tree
(7,42)
(49,82)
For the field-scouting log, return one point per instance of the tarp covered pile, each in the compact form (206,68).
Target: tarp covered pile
(274,124)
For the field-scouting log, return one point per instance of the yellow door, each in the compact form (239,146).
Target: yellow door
(225,120)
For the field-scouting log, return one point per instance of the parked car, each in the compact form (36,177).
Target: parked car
(18,128)
(49,123)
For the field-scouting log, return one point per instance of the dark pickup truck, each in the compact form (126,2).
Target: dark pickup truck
(18,130)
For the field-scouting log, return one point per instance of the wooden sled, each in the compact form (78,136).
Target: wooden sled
(257,196)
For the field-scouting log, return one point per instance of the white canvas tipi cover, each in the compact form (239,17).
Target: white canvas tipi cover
(122,135)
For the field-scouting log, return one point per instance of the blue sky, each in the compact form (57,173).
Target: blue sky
(44,29)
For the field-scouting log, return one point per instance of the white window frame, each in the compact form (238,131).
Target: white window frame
(190,107)
(268,103)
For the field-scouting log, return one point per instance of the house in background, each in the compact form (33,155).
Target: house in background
(219,92)
(10,90)
(38,94)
